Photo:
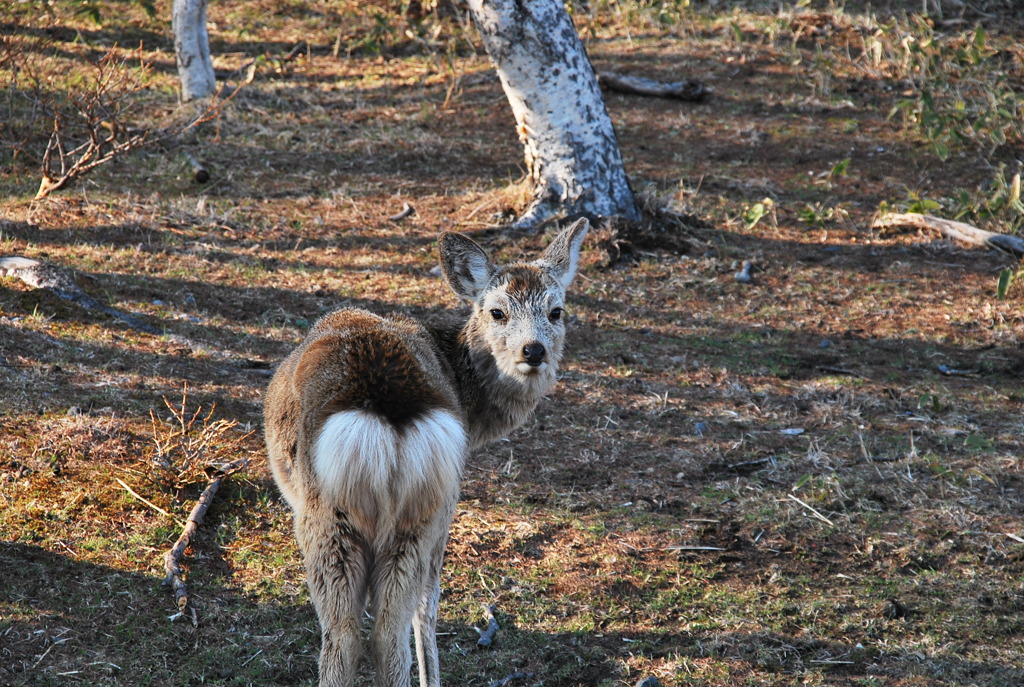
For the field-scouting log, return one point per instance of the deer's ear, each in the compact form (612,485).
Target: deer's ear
(466,267)
(562,257)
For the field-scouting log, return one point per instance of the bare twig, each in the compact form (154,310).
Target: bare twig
(99,107)
(89,127)
(958,231)
(45,654)
(152,505)
(814,512)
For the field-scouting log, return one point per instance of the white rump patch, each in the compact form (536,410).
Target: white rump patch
(360,454)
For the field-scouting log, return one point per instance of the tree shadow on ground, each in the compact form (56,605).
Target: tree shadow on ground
(71,620)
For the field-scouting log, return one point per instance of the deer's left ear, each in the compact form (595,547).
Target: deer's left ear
(562,257)
(466,267)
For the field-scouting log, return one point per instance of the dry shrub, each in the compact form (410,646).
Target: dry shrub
(192,446)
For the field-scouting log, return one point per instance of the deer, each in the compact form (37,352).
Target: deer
(368,423)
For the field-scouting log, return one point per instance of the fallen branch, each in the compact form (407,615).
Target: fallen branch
(952,229)
(505,680)
(487,634)
(406,211)
(98,150)
(690,90)
(172,559)
(43,275)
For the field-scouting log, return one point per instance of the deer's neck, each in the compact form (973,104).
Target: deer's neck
(495,404)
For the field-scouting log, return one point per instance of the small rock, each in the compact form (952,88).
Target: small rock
(649,681)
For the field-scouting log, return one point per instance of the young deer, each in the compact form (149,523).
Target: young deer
(368,423)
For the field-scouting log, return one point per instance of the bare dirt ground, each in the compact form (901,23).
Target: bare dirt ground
(812,478)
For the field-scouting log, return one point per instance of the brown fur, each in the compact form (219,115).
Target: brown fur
(367,426)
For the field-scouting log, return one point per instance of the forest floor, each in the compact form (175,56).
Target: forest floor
(812,478)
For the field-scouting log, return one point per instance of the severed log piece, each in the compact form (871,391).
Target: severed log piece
(690,90)
(199,173)
(952,229)
(44,275)
(172,559)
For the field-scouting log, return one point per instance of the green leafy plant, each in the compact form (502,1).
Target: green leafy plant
(957,98)
(753,214)
(816,215)
(1006,278)
(999,202)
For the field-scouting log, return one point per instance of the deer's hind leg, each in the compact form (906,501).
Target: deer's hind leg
(405,591)
(337,566)
(425,618)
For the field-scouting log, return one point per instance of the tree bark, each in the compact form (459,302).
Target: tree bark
(192,49)
(572,155)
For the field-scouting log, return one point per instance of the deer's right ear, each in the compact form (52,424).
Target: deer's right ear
(466,267)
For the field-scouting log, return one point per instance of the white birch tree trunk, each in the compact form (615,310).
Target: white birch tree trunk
(572,154)
(192,49)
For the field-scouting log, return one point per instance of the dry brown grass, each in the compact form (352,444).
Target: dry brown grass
(661,515)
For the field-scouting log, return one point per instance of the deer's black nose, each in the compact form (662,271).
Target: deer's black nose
(534,353)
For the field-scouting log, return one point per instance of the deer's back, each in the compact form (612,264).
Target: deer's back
(362,416)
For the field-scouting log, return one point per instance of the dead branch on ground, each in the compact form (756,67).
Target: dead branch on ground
(89,126)
(193,445)
(406,211)
(172,559)
(952,229)
(199,173)
(99,108)
(690,90)
(510,678)
(44,275)
(193,448)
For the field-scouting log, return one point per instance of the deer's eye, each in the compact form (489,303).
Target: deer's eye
(498,315)
(555,315)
